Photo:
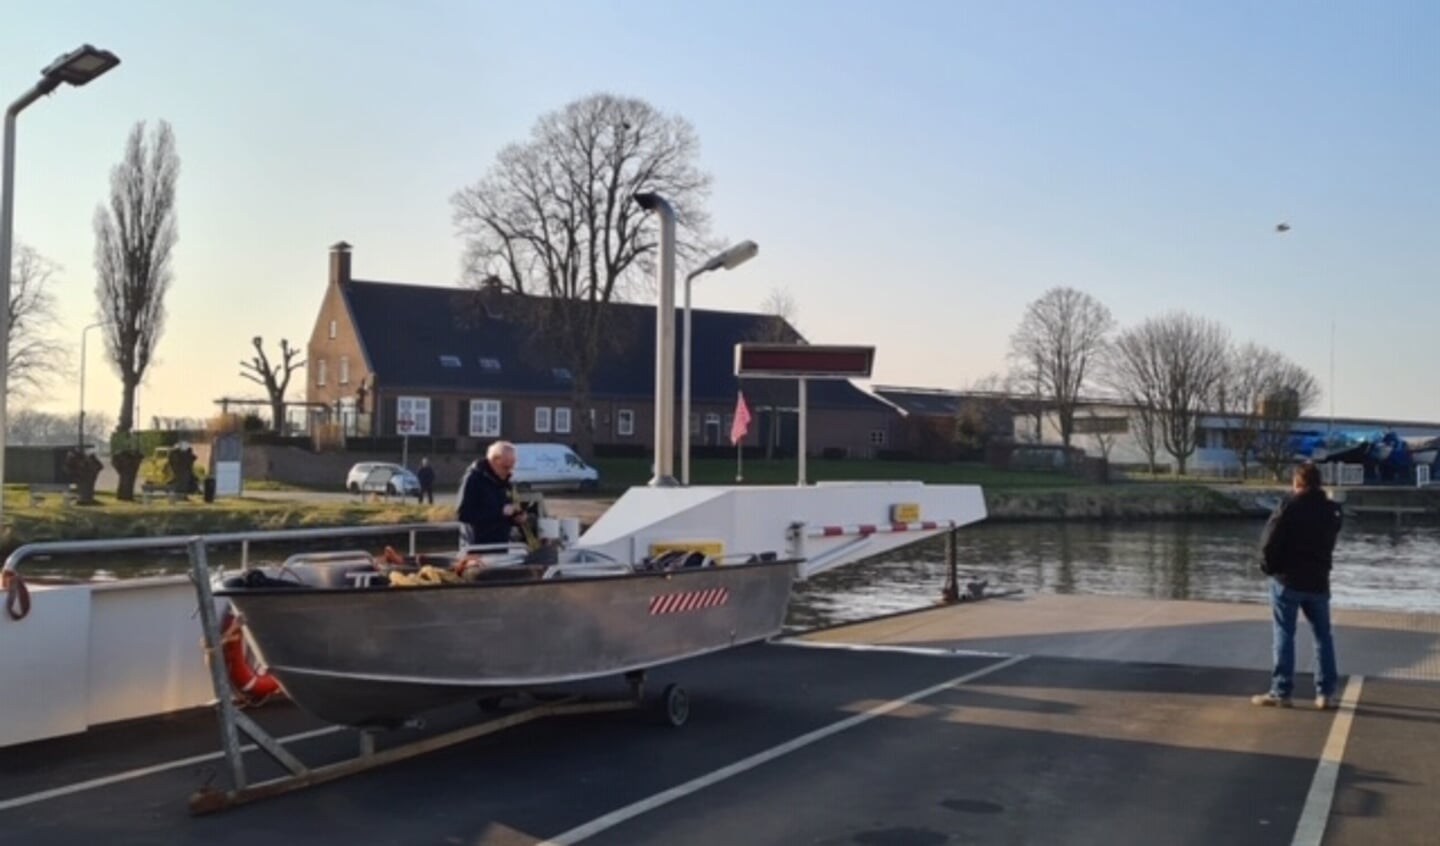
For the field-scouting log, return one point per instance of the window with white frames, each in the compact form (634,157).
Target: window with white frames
(332,330)
(320,372)
(542,419)
(877,437)
(416,410)
(562,420)
(484,418)
(344,370)
(625,422)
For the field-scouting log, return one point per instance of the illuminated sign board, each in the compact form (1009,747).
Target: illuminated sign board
(803,361)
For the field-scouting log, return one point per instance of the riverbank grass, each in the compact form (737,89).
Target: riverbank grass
(52,519)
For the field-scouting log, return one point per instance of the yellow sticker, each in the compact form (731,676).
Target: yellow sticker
(905,512)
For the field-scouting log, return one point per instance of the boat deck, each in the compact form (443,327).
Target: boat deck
(1043,719)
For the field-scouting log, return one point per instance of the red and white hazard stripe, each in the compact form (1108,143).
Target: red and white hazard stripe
(690,600)
(873,529)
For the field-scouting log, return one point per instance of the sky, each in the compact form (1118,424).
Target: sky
(915,173)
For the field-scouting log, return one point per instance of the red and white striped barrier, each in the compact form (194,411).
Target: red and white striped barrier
(690,600)
(863,529)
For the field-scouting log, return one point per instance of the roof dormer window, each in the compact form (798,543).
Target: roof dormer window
(449,361)
(561,374)
(490,364)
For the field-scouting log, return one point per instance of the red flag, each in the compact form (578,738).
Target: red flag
(742,420)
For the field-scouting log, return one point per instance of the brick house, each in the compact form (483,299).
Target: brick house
(453,364)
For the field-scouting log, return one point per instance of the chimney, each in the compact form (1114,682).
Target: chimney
(339,263)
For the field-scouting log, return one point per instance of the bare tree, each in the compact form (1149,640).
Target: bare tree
(1101,432)
(33,356)
(274,378)
(134,237)
(777,327)
(1169,368)
(1240,396)
(1287,392)
(30,427)
(1130,369)
(555,219)
(1058,342)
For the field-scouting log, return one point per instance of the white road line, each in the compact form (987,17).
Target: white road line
(103,781)
(1316,813)
(904,650)
(614,818)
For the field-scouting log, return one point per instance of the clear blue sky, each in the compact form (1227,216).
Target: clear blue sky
(915,172)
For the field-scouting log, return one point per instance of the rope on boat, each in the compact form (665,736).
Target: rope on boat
(17,595)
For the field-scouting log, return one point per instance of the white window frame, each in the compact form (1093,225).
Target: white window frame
(418,410)
(320,373)
(625,423)
(542,420)
(332,330)
(562,420)
(344,370)
(485,418)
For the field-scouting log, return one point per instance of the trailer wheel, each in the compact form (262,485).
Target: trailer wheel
(676,705)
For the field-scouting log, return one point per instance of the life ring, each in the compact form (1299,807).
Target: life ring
(249,682)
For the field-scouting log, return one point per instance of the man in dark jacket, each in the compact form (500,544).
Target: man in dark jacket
(1297,545)
(487,506)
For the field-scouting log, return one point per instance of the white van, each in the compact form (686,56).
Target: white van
(552,467)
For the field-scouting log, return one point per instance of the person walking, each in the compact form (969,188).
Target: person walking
(1297,546)
(426,475)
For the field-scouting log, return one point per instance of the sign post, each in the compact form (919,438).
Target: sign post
(802,362)
(405,424)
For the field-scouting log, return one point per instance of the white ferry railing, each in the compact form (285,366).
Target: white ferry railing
(244,539)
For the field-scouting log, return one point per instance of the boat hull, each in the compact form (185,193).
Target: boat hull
(378,656)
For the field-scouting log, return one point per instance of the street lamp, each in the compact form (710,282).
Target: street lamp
(664,342)
(77,68)
(728,260)
(80,442)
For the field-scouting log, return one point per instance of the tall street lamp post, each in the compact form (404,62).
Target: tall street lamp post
(728,260)
(76,68)
(664,342)
(80,438)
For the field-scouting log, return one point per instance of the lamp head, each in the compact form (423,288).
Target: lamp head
(79,66)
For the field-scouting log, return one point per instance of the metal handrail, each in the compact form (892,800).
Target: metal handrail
(242,538)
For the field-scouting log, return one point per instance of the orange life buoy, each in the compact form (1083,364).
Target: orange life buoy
(247,681)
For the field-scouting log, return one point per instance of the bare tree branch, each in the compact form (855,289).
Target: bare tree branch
(134,238)
(554,219)
(275,379)
(33,356)
(1169,368)
(1057,345)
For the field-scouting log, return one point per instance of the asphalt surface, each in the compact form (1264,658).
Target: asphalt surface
(819,751)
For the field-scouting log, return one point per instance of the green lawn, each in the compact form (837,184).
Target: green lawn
(616,474)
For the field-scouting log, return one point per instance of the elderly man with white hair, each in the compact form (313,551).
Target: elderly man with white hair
(487,504)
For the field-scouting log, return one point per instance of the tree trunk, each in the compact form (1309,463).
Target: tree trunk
(277,415)
(126,423)
(127,464)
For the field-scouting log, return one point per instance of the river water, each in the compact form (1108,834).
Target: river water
(1377,566)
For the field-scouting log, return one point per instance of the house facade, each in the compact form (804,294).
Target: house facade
(388,359)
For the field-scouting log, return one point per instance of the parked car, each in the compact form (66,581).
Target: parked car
(552,467)
(370,475)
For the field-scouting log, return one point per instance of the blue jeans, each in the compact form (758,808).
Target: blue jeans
(1285,604)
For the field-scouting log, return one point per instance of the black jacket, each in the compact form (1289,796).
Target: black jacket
(426,476)
(483,497)
(1299,540)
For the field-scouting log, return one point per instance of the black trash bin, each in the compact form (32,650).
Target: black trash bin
(209,488)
